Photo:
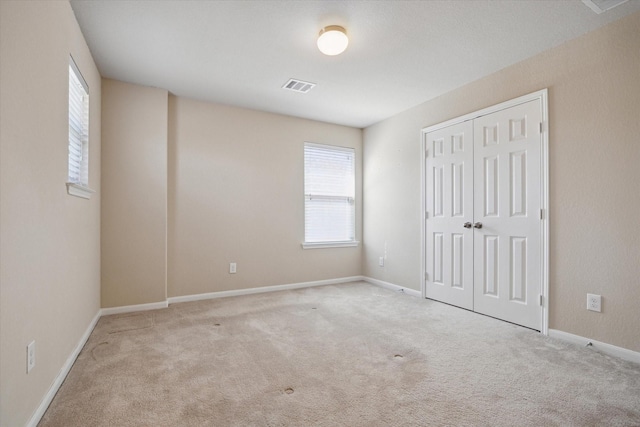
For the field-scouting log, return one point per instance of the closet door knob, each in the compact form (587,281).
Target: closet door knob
(477,225)
(467,225)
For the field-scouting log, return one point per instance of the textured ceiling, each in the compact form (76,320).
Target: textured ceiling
(400,54)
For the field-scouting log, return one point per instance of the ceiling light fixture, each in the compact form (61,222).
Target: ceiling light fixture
(333,40)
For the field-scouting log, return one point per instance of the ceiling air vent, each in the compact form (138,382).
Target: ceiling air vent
(298,86)
(600,6)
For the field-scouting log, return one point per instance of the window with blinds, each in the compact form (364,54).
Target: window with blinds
(78,127)
(329,194)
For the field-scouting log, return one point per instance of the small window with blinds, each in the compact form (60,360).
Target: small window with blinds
(329,196)
(78,169)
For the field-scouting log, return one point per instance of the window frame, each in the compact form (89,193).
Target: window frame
(78,183)
(351,199)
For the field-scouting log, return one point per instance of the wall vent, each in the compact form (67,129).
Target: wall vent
(298,86)
(600,6)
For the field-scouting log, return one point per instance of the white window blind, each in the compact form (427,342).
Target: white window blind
(329,188)
(78,127)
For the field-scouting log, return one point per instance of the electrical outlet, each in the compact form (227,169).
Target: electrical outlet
(594,302)
(232,268)
(381,261)
(31,356)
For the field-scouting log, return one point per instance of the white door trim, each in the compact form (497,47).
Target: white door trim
(541,95)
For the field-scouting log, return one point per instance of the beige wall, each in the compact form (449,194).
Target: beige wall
(134,194)
(236,195)
(231,180)
(50,241)
(594,105)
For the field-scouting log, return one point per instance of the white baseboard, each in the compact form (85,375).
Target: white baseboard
(393,287)
(611,350)
(131,308)
(62,375)
(238,292)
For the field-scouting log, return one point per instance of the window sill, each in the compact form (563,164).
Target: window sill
(322,245)
(78,190)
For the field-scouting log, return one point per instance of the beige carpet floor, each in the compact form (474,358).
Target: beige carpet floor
(344,355)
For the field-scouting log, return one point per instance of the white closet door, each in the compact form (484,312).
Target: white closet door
(449,244)
(507,203)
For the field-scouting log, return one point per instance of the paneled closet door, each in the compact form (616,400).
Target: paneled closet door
(449,203)
(507,203)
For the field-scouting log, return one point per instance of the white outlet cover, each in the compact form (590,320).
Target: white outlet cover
(232,267)
(31,356)
(594,302)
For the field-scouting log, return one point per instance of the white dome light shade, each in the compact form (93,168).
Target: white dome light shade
(333,40)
